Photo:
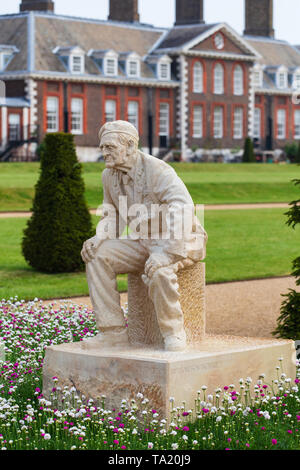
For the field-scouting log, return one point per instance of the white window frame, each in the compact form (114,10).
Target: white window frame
(167,67)
(296,80)
(282,78)
(198,121)
(77,116)
(112,112)
(164,119)
(257,123)
(133,117)
(281,124)
(77,68)
(238,80)
(198,77)
(238,122)
(52,114)
(297,124)
(257,76)
(219,77)
(137,72)
(110,66)
(218,125)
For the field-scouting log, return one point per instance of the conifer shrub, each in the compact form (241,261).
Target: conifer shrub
(288,322)
(248,155)
(60,220)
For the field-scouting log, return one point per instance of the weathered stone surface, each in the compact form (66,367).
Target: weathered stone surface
(122,373)
(142,320)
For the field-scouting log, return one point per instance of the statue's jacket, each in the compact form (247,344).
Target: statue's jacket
(157,187)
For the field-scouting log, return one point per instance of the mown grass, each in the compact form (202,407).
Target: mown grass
(208,183)
(243,244)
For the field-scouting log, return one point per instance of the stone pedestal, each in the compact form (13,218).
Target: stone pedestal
(121,374)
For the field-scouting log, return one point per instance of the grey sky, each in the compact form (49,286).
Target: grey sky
(162,13)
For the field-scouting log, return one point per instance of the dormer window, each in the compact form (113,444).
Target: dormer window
(77,63)
(282,78)
(296,79)
(164,71)
(72,57)
(162,65)
(133,66)
(110,67)
(5,59)
(6,54)
(257,76)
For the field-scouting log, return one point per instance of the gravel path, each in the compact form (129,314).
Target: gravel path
(284,205)
(244,308)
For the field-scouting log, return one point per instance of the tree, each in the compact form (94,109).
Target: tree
(60,221)
(288,322)
(297,158)
(248,156)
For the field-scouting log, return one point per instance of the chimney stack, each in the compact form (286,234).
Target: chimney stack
(124,10)
(259,18)
(189,12)
(37,5)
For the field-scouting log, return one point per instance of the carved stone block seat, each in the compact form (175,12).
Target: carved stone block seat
(143,328)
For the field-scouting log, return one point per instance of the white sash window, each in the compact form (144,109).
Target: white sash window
(52,114)
(198,122)
(218,122)
(77,116)
(110,110)
(133,113)
(198,78)
(281,124)
(219,79)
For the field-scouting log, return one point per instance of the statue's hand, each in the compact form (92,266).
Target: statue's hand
(89,248)
(156,261)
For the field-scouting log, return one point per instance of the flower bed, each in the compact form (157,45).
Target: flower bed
(232,418)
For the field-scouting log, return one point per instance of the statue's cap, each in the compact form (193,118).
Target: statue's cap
(119,127)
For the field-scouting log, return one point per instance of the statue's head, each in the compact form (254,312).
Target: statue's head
(118,143)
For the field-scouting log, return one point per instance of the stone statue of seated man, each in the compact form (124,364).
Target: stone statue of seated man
(133,180)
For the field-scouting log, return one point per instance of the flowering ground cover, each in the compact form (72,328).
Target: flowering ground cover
(266,416)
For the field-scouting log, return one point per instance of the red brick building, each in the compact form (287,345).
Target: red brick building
(196,85)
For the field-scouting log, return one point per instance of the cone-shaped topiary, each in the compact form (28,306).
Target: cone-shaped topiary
(248,155)
(288,322)
(297,159)
(60,222)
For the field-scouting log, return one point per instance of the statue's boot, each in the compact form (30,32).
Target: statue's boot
(108,339)
(175,343)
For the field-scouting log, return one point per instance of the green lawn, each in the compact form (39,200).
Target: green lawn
(208,183)
(242,245)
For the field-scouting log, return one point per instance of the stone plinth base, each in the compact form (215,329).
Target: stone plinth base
(121,374)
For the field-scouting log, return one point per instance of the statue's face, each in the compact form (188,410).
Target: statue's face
(114,153)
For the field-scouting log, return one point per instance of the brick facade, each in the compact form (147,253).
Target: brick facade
(209,100)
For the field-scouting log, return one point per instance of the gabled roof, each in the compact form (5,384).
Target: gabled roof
(185,38)
(180,35)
